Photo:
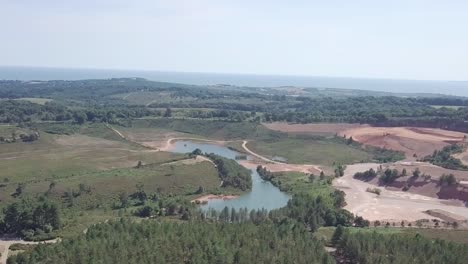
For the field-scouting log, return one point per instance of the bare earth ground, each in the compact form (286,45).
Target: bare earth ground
(192,161)
(317,129)
(430,169)
(411,140)
(463,157)
(430,188)
(206,198)
(390,205)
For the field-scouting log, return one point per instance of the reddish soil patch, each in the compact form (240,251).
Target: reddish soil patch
(428,186)
(410,140)
(434,171)
(315,129)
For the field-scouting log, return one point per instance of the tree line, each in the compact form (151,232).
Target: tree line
(376,248)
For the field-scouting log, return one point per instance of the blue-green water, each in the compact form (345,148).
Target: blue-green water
(263,194)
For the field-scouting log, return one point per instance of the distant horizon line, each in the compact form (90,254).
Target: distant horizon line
(231,73)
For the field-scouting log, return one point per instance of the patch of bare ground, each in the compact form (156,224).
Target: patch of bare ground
(6,243)
(410,140)
(281,167)
(463,157)
(190,161)
(429,186)
(313,129)
(390,205)
(206,198)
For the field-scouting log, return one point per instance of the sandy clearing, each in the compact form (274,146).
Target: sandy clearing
(308,169)
(390,205)
(411,140)
(206,198)
(463,157)
(169,145)
(318,128)
(6,243)
(190,161)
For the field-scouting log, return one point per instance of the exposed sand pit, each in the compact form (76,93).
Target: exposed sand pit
(390,205)
(410,140)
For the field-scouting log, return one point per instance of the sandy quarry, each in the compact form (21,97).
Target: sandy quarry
(390,205)
(411,140)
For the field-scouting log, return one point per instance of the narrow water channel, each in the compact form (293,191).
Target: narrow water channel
(263,194)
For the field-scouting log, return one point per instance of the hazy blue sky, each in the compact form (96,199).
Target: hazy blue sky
(412,39)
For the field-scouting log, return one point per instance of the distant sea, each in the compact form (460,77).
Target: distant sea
(459,88)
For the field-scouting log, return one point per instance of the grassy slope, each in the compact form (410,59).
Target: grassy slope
(312,150)
(296,149)
(106,186)
(457,236)
(98,158)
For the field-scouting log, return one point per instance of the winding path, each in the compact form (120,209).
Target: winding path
(244,146)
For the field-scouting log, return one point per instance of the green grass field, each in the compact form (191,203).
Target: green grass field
(312,150)
(106,186)
(41,101)
(97,158)
(455,107)
(205,128)
(80,157)
(297,149)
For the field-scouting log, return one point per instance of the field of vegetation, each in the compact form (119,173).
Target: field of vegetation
(82,160)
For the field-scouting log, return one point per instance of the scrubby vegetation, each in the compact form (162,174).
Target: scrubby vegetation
(30,219)
(445,159)
(231,173)
(66,169)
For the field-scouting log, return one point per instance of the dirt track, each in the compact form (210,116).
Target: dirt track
(390,205)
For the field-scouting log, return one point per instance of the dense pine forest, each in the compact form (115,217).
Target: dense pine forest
(193,242)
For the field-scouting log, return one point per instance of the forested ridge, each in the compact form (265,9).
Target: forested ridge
(228,103)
